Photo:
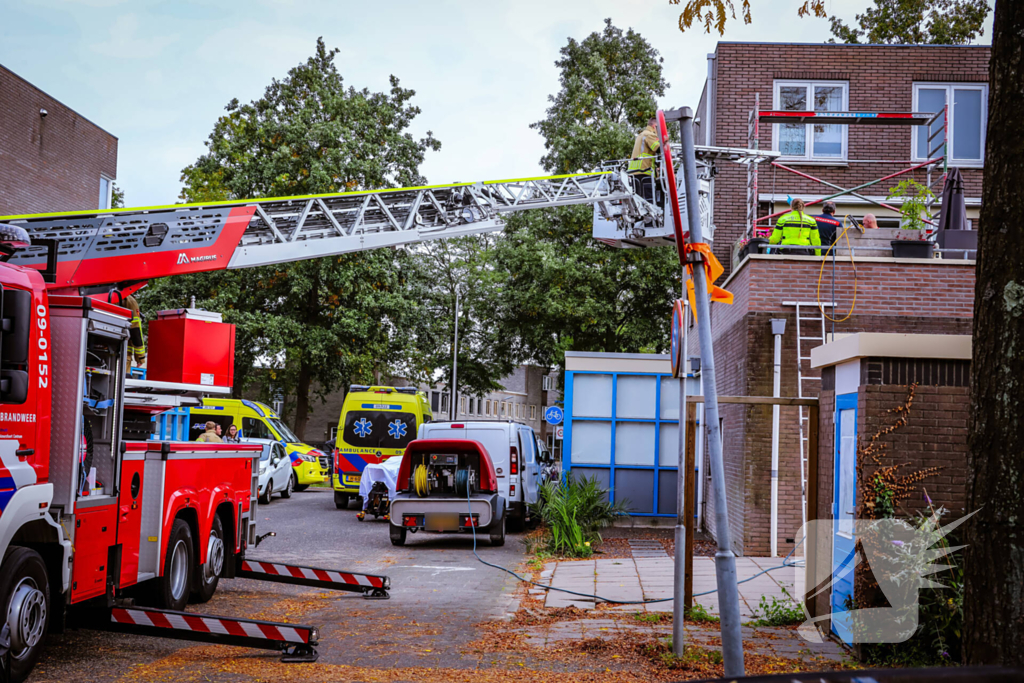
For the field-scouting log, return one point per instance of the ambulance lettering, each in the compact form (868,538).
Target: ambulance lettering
(44,348)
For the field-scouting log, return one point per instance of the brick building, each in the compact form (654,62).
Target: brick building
(864,377)
(833,77)
(51,158)
(911,296)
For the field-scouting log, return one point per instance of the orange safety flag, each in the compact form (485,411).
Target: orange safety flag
(712,270)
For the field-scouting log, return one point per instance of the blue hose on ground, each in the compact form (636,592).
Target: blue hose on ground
(598,597)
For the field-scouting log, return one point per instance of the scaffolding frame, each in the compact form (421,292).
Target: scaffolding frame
(937,143)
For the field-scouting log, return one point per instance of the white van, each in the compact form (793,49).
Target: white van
(514,451)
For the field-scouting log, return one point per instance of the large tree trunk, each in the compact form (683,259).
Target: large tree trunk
(305,366)
(994,599)
(302,399)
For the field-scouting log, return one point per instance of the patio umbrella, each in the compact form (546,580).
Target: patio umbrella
(953,217)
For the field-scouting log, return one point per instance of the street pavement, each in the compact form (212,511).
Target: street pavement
(439,593)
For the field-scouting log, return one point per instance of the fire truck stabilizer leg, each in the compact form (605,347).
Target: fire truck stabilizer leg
(297,642)
(372,586)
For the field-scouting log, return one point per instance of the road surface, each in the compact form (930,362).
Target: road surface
(440,592)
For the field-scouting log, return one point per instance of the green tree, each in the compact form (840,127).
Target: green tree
(562,289)
(609,82)
(947,22)
(116,197)
(464,266)
(332,319)
(994,558)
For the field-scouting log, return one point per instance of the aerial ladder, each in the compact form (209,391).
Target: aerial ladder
(67,260)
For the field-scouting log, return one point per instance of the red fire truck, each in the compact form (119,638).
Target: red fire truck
(97,518)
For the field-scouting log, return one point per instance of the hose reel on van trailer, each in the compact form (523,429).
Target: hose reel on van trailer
(445,473)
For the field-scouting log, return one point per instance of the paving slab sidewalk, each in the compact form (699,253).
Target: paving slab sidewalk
(651,578)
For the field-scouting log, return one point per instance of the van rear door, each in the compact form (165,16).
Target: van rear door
(496,439)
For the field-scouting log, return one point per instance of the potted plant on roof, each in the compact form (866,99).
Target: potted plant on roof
(912,238)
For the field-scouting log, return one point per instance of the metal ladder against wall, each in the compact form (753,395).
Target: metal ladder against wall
(753,142)
(810,332)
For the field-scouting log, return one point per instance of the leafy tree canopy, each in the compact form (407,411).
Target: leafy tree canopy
(609,84)
(907,22)
(329,320)
(947,22)
(561,288)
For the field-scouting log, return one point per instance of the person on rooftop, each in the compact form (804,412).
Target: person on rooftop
(797,228)
(828,225)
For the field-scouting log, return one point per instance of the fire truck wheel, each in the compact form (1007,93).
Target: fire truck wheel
(287,491)
(25,595)
(265,498)
(498,534)
(397,535)
(341,500)
(174,586)
(207,575)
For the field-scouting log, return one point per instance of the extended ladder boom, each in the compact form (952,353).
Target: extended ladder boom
(125,245)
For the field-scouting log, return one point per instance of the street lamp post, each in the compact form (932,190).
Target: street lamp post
(452,414)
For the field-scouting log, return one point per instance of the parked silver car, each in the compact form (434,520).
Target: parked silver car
(275,470)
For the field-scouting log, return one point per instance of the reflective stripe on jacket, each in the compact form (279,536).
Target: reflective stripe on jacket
(646,144)
(136,342)
(796,228)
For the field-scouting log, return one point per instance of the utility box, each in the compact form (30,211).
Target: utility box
(191,346)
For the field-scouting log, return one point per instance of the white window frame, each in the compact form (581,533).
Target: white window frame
(808,135)
(110,191)
(462,405)
(487,407)
(950,87)
(533,412)
(546,383)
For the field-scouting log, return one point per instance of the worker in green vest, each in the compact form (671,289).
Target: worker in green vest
(797,228)
(641,161)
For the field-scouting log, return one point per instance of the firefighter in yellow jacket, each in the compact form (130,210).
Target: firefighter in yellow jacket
(136,342)
(641,161)
(797,228)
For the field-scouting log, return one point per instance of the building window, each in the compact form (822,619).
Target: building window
(533,412)
(462,405)
(546,383)
(487,407)
(813,142)
(444,403)
(106,187)
(968,112)
(503,409)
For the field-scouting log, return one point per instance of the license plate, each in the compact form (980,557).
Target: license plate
(442,521)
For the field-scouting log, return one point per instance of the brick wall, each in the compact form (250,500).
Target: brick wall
(935,434)
(905,296)
(880,78)
(52,163)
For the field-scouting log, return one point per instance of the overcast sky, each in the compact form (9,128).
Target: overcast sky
(158,74)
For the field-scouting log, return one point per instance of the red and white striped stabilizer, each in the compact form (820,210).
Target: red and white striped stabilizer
(313,576)
(206,628)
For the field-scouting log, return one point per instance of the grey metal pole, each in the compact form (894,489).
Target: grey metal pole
(679,575)
(725,560)
(452,414)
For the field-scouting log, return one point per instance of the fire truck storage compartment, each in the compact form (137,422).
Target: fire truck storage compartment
(88,339)
(95,530)
(191,346)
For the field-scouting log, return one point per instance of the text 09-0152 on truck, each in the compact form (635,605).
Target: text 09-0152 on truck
(258,421)
(376,423)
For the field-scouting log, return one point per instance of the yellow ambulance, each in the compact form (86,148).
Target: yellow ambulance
(258,421)
(376,423)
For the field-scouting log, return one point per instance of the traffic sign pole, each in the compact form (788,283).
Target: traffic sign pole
(725,560)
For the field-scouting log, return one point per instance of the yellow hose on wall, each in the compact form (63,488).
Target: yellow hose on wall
(419,481)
